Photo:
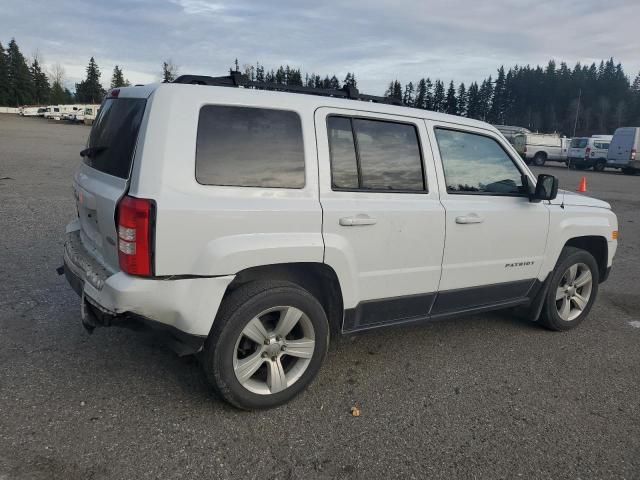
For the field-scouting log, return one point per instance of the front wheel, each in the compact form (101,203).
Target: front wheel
(600,165)
(572,290)
(267,344)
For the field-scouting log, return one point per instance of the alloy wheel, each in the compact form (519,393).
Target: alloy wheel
(274,350)
(574,291)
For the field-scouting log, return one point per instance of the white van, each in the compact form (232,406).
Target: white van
(589,152)
(253,225)
(623,150)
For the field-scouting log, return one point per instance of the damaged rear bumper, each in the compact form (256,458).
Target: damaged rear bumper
(184,308)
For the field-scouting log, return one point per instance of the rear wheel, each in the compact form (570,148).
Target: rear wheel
(539,159)
(572,290)
(600,165)
(267,344)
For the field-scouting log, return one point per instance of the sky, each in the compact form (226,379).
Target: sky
(379,40)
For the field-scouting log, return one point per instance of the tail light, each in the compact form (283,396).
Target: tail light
(587,151)
(135,221)
(633,154)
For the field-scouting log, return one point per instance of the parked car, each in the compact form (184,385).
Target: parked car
(589,152)
(539,148)
(510,132)
(623,150)
(251,226)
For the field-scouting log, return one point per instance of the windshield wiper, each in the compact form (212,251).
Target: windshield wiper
(91,151)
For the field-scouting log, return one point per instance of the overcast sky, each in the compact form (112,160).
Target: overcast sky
(379,40)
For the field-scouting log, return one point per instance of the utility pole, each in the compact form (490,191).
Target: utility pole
(575,124)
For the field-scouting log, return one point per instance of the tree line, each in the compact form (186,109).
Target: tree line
(588,98)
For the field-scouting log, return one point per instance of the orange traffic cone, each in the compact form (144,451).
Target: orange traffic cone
(582,187)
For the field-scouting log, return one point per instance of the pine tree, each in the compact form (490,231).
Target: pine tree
(439,97)
(498,104)
(19,77)
(473,101)
(58,94)
(117,79)
(451,103)
(295,77)
(421,94)
(280,76)
(462,100)
(41,88)
(407,96)
(169,71)
(428,99)
(486,95)
(4,78)
(259,73)
(90,90)
(350,80)
(334,83)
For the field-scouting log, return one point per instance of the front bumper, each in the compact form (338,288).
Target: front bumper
(188,305)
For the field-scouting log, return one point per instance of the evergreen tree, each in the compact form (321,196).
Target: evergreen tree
(334,83)
(473,102)
(41,88)
(451,103)
(4,77)
(498,103)
(259,73)
(439,97)
(117,78)
(20,91)
(421,94)
(169,71)
(90,90)
(462,100)
(350,80)
(486,94)
(428,99)
(407,96)
(295,77)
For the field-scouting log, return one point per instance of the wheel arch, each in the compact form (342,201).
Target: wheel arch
(318,278)
(597,246)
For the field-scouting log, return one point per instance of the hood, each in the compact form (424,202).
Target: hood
(568,197)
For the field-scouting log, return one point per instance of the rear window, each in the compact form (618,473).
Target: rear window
(579,142)
(114,134)
(249,147)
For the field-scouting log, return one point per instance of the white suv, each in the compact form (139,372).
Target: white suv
(250,225)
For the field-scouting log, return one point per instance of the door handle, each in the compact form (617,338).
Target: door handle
(358,220)
(471,218)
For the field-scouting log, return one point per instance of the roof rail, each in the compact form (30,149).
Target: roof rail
(237,79)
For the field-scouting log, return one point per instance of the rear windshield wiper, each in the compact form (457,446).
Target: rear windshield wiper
(91,151)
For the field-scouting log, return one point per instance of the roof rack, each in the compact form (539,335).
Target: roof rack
(237,79)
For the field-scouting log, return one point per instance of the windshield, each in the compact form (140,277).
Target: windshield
(579,142)
(114,134)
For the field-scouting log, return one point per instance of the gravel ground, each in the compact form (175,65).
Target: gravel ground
(486,396)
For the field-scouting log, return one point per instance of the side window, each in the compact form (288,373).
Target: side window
(476,164)
(249,147)
(374,155)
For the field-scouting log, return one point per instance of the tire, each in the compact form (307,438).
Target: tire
(558,296)
(539,159)
(267,366)
(599,166)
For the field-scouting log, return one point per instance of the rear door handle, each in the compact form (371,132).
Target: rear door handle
(358,220)
(471,218)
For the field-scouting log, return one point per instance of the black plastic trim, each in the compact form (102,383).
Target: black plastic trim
(436,306)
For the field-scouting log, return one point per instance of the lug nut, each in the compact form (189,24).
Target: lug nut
(266,341)
(264,355)
(283,348)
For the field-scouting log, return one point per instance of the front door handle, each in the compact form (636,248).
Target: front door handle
(358,220)
(471,218)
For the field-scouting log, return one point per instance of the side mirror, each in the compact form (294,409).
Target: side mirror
(546,188)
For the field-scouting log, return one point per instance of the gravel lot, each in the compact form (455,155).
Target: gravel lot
(486,396)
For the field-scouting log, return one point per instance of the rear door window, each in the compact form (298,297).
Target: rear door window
(249,147)
(374,155)
(113,137)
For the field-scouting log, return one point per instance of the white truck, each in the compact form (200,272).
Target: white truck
(539,148)
(250,226)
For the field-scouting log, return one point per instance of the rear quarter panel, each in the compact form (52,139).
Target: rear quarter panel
(218,230)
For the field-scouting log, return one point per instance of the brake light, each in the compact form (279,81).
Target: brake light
(135,233)
(633,154)
(114,93)
(586,152)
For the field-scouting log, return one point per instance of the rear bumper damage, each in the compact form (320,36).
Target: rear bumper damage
(181,309)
